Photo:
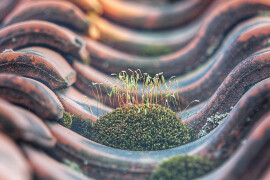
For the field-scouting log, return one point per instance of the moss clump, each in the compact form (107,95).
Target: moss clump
(72,165)
(81,126)
(141,128)
(182,167)
(156,50)
(66,121)
(77,124)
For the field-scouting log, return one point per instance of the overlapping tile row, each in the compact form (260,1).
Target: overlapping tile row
(53,51)
(148,17)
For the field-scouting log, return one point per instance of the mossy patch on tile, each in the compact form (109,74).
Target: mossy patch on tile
(66,121)
(77,124)
(155,50)
(73,165)
(141,128)
(182,167)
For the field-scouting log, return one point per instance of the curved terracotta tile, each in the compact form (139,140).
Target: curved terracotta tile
(24,125)
(233,130)
(254,150)
(266,175)
(249,72)
(89,5)
(246,74)
(142,43)
(218,145)
(31,94)
(47,168)
(146,43)
(85,5)
(43,33)
(151,17)
(62,13)
(5,7)
(13,164)
(198,52)
(39,63)
(202,83)
(210,78)
(153,2)
(87,76)
(77,103)
(95,162)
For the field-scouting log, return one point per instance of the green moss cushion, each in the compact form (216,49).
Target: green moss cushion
(66,121)
(141,128)
(182,167)
(76,124)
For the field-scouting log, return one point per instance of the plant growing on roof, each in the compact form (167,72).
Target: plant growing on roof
(141,127)
(76,123)
(144,120)
(182,167)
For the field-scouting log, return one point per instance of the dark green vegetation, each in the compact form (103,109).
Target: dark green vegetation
(141,128)
(76,124)
(72,165)
(182,167)
(66,121)
(156,50)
